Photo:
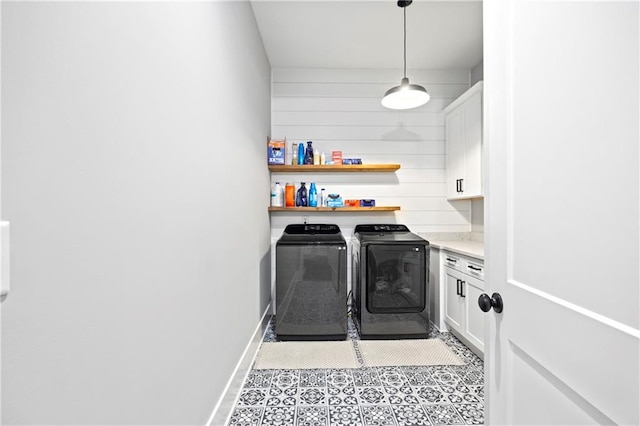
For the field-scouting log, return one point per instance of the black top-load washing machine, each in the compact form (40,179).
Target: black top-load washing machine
(389,282)
(311,283)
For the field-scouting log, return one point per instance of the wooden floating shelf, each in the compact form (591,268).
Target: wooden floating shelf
(335,168)
(335,209)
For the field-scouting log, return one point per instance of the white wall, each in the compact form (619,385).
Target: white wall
(341,110)
(133,173)
(477,73)
(477,215)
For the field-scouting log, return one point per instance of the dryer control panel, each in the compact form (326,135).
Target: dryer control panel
(381,228)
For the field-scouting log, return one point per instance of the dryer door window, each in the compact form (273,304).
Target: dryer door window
(396,278)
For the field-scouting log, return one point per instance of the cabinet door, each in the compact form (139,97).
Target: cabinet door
(455,152)
(472,184)
(474,319)
(454,303)
(463,118)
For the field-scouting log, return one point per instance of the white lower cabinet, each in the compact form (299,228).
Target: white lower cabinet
(463,284)
(474,321)
(454,303)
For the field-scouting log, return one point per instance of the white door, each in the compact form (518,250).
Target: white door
(5,283)
(562,206)
(2,297)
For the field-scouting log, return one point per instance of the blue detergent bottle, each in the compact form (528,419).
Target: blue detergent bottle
(301,196)
(301,154)
(313,195)
(308,156)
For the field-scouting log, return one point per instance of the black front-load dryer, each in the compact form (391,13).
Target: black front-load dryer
(389,281)
(311,283)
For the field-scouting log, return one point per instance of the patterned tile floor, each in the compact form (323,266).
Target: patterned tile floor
(380,396)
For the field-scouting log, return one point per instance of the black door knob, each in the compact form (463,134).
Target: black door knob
(486,303)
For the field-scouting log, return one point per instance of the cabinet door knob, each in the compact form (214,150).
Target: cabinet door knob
(486,303)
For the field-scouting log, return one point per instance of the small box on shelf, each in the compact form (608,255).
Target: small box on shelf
(352,161)
(276,150)
(334,200)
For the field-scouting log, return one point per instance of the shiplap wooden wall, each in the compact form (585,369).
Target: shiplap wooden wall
(339,109)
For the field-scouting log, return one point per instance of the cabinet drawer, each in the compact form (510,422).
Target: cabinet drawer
(475,268)
(453,261)
(466,265)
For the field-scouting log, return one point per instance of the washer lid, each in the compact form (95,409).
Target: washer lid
(386,234)
(311,234)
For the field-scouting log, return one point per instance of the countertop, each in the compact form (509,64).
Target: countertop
(465,247)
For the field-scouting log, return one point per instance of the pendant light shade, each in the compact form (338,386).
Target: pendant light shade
(406,95)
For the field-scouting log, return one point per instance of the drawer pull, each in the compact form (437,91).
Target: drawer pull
(474,268)
(451,260)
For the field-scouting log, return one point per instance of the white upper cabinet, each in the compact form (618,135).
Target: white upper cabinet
(463,118)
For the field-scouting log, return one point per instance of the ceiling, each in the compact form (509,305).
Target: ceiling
(368,34)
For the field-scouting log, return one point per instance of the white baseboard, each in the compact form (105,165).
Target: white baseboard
(224,408)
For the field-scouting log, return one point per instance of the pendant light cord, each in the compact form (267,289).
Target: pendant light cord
(405,41)
(405,95)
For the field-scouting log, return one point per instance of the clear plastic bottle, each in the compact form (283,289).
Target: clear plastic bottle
(323,198)
(313,195)
(301,196)
(294,154)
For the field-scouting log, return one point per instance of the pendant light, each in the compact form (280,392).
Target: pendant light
(406,95)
